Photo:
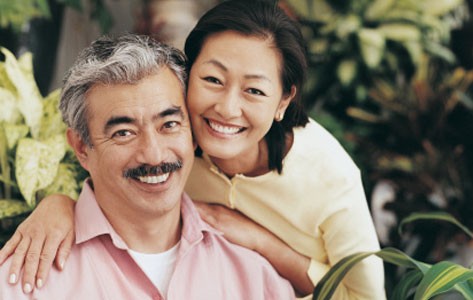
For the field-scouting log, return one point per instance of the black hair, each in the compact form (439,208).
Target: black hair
(267,20)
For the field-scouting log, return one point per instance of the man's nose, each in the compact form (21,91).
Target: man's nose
(151,149)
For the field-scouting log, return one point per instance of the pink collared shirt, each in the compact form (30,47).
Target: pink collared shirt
(208,266)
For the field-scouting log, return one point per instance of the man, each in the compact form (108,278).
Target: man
(138,236)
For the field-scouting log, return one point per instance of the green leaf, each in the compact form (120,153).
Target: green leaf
(51,122)
(399,258)
(400,32)
(65,182)
(12,208)
(440,7)
(378,9)
(441,278)
(465,288)
(405,286)
(14,133)
(5,176)
(346,71)
(37,164)
(434,216)
(328,284)
(372,45)
(29,98)
(8,103)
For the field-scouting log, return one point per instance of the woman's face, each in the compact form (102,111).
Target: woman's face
(234,94)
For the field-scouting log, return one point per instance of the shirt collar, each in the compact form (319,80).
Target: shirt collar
(90,222)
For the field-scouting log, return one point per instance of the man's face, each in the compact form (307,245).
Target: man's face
(142,149)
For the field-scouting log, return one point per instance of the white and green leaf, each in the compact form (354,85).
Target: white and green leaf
(37,164)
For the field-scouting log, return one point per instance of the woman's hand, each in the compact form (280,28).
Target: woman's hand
(242,231)
(236,227)
(46,235)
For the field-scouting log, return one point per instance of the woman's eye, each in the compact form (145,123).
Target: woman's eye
(256,92)
(212,80)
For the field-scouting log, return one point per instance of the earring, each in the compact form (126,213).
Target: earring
(279,116)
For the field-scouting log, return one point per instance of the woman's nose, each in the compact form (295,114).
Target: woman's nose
(229,107)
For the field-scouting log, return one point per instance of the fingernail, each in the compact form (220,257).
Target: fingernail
(12,279)
(27,288)
(39,283)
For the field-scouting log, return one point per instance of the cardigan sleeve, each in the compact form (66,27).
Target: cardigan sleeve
(346,231)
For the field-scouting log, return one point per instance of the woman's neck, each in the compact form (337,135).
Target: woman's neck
(253,163)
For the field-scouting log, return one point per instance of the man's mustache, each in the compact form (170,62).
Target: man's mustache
(147,170)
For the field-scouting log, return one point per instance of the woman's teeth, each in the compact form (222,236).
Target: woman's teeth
(224,129)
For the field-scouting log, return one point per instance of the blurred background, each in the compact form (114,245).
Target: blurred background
(391,79)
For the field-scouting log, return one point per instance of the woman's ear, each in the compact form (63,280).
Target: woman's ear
(79,146)
(284,103)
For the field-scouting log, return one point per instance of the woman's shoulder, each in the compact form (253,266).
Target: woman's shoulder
(315,143)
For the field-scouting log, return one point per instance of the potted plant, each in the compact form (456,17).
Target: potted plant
(35,159)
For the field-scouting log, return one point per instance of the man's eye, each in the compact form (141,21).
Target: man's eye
(212,80)
(171,125)
(121,133)
(256,92)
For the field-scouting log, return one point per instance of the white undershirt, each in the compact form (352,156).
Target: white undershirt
(157,266)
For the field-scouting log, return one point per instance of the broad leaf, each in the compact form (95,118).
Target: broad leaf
(65,182)
(28,96)
(9,111)
(14,133)
(372,46)
(37,164)
(51,122)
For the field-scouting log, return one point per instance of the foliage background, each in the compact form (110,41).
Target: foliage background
(391,79)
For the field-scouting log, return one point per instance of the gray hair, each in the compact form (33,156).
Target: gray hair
(121,60)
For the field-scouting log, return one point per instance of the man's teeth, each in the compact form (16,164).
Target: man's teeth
(224,129)
(154,179)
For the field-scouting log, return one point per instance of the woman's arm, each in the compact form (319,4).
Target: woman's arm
(240,230)
(45,236)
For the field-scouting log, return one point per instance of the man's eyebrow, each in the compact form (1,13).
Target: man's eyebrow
(172,111)
(118,120)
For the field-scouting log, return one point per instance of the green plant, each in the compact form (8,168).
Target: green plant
(19,12)
(353,42)
(35,159)
(420,280)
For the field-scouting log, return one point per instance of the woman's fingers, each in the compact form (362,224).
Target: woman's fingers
(32,259)
(9,247)
(18,258)
(65,250)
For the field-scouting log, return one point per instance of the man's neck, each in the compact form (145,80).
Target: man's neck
(147,233)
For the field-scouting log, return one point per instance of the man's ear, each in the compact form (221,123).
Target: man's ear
(79,146)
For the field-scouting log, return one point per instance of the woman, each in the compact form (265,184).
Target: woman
(285,186)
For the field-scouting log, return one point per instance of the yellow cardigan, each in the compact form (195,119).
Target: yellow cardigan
(317,206)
